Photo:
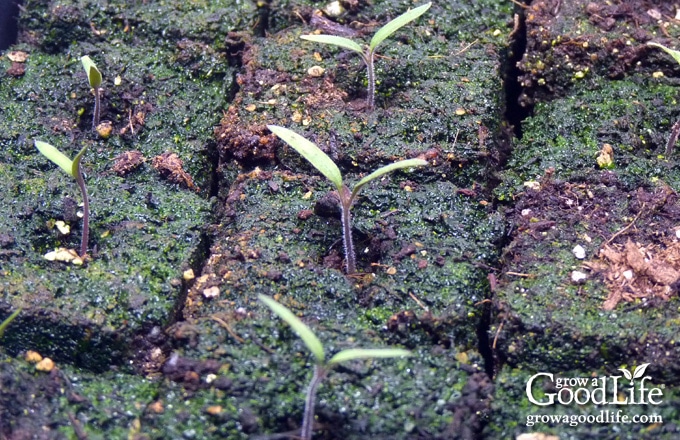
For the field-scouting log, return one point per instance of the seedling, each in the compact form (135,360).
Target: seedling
(72,168)
(8,321)
(321,366)
(675,130)
(327,167)
(368,54)
(94,76)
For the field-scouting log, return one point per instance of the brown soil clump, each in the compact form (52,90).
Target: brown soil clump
(634,271)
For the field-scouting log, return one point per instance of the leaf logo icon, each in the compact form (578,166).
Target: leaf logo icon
(640,371)
(637,373)
(627,374)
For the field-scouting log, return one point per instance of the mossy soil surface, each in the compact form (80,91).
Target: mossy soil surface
(469,262)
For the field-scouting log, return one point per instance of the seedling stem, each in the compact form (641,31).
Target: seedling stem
(94,77)
(86,211)
(97,108)
(346,220)
(310,401)
(8,321)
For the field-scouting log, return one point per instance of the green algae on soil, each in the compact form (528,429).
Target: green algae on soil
(424,236)
(273,245)
(145,231)
(168,72)
(594,86)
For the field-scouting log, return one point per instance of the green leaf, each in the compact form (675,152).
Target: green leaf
(391,27)
(386,169)
(311,152)
(56,156)
(367,353)
(8,321)
(304,332)
(674,53)
(94,76)
(76,161)
(335,41)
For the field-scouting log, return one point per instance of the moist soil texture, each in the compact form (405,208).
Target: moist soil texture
(542,238)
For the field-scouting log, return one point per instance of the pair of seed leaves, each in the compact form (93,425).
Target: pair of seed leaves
(314,344)
(382,34)
(327,167)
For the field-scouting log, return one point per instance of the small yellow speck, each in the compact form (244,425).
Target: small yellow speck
(315,71)
(462,357)
(532,184)
(214,410)
(62,227)
(33,357)
(105,129)
(45,365)
(156,407)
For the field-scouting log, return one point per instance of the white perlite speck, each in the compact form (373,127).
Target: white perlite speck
(578,276)
(579,252)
